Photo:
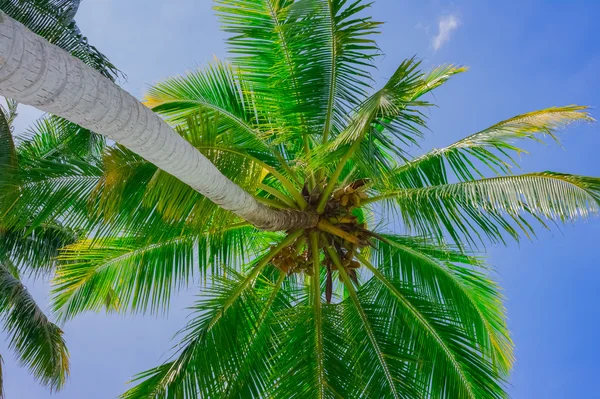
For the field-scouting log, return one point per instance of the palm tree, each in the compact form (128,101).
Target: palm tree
(29,250)
(272,181)
(38,342)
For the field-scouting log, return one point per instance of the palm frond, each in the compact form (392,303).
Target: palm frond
(135,195)
(51,176)
(252,378)
(496,205)
(199,369)
(313,372)
(317,54)
(139,274)
(448,275)
(214,89)
(492,148)
(52,137)
(120,275)
(268,43)
(449,364)
(382,368)
(46,191)
(34,250)
(383,126)
(317,344)
(349,58)
(8,153)
(393,107)
(208,352)
(38,343)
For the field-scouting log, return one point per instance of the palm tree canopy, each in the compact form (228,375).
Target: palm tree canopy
(343,307)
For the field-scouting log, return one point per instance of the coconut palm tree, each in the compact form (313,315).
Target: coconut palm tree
(273,181)
(29,250)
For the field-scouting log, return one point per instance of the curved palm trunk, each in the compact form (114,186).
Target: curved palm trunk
(35,72)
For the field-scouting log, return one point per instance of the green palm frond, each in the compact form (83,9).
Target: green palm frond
(10,111)
(394,110)
(198,369)
(215,89)
(207,352)
(393,107)
(228,113)
(38,343)
(34,250)
(496,205)
(268,43)
(46,191)
(140,275)
(317,53)
(134,194)
(450,364)
(490,148)
(313,371)
(253,375)
(350,54)
(51,175)
(120,275)
(52,137)
(53,20)
(320,379)
(448,275)
(383,366)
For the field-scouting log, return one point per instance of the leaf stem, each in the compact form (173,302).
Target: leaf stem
(316,299)
(371,335)
(282,179)
(334,178)
(327,227)
(253,274)
(279,195)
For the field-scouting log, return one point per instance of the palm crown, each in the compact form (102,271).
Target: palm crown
(329,303)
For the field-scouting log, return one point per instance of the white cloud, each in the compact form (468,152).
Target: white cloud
(446,26)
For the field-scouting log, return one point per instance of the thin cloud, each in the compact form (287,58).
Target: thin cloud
(446,26)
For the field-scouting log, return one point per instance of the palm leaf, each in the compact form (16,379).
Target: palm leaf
(214,89)
(491,148)
(52,137)
(252,377)
(447,275)
(46,191)
(35,249)
(8,154)
(382,367)
(139,274)
(496,205)
(393,110)
(38,343)
(197,368)
(449,367)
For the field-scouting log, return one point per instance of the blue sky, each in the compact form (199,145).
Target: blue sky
(523,56)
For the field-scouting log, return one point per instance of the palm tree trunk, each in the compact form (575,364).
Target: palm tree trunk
(35,72)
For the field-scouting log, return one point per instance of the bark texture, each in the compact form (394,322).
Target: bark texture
(37,73)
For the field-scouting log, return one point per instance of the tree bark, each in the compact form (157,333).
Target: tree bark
(37,73)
